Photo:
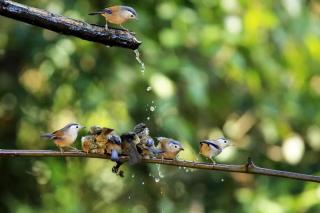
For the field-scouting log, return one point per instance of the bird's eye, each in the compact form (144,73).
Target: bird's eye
(176,146)
(132,16)
(77,127)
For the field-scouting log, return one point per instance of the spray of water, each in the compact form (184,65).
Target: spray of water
(139,61)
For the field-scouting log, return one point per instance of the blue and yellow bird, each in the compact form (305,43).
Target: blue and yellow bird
(212,148)
(117,15)
(170,148)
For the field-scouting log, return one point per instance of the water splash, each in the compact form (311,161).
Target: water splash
(148,118)
(152,108)
(142,183)
(222,180)
(139,61)
(157,180)
(149,88)
(132,176)
(159,171)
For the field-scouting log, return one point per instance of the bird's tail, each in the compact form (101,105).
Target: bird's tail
(96,13)
(47,135)
(114,155)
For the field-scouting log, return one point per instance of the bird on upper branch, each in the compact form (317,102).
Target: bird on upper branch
(117,15)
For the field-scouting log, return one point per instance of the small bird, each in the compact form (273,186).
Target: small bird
(129,143)
(212,148)
(170,148)
(146,146)
(64,137)
(117,15)
(89,145)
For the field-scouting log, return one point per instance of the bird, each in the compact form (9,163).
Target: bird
(117,14)
(146,146)
(129,143)
(64,137)
(170,148)
(212,148)
(89,144)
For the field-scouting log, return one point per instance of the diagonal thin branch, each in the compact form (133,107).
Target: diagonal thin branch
(68,26)
(249,167)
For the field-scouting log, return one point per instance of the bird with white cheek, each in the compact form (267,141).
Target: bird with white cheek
(212,148)
(117,15)
(64,137)
(170,148)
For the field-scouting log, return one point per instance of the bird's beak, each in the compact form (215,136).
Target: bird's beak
(182,149)
(83,127)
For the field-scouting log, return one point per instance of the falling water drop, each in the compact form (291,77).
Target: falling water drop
(139,61)
(148,118)
(222,180)
(159,172)
(142,183)
(129,197)
(157,180)
(149,88)
(152,108)
(132,176)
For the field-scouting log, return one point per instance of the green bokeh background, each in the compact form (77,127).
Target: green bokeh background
(248,70)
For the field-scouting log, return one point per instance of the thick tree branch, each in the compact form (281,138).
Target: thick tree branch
(68,26)
(249,167)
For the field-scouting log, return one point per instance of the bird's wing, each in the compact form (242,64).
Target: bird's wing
(210,143)
(58,134)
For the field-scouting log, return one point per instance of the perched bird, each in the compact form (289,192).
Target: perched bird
(129,143)
(113,147)
(89,144)
(170,148)
(212,148)
(117,15)
(146,146)
(64,137)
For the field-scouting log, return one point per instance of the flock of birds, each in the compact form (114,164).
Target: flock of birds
(136,144)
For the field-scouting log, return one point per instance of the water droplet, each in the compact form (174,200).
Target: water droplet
(149,88)
(142,183)
(152,108)
(133,176)
(222,180)
(148,118)
(159,172)
(157,180)
(139,61)
(129,197)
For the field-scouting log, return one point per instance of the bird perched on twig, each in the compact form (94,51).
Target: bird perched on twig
(117,15)
(212,148)
(89,144)
(64,137)
(146,146)
(170,148)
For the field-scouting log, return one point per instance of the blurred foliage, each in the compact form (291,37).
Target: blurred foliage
(248,70)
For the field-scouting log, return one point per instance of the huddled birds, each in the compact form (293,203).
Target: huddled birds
(136,144)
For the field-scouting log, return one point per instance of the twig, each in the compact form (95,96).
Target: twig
(249,167)
(68,26)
